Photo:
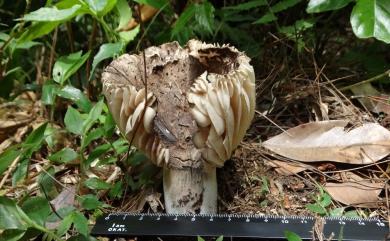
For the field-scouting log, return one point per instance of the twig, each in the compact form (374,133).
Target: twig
(88,68)
(10,169)
(261,114)
(387,73)
(52,51)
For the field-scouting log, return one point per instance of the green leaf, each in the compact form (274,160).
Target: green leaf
(124,12)
(351,214)
(183,20)
(77,96)
(337,212)
(7,157)
(283,5)
(65,225)
(200,238)
(91,136)
(66,66)
(37,208)
(73,121)
(204,15)
(127,36)
(90,202)
(49,92)
(12,235)
(80,223)
(36,30)
(11,216)
(269,17)
(64,156)
(98,151)
(117,190)
(52,14)
(371,18)
(93,116)
(109,125)
(220,238)
(106,51)
(34,141)
(316,208)
(47,183)
(247,5)
(96,183)
(291,236)
(20,172)
(317,6)
(100,7)
(326,200)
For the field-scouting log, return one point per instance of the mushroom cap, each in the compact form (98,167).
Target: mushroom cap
(203,92)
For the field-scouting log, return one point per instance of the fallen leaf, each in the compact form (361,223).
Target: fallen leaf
(287,168)
(65,199)
(357,194)
(329,141)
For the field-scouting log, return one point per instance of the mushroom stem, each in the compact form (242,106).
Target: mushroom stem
(190,190)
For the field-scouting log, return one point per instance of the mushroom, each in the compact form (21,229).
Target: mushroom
(196,108)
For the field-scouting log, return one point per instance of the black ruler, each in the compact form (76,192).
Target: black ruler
(248,226)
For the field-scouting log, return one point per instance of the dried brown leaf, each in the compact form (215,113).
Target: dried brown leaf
(287,168)
(329,141)
(362,194)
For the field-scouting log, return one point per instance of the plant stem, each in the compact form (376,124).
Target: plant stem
(367,80)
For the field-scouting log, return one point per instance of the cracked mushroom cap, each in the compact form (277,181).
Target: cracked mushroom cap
(200,102)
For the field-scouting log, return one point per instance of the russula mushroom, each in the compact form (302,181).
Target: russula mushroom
(200,102)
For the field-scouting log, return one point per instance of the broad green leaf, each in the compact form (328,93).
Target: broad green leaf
(11,216)
(49,92)
(371,18)
(36,30)
(12,235)
(326,200)
(204,15)
(98,151)
(316,6)
(51,14)
(91,136)
(20,172)
(47,183)
(269,17)
(66,66)
(183,20)
(73,121)
(117,190)
(65,225)
(37,208)
(34,141)
(291,236)
(106,51)
(124,12)
(109,125)
(93,116)
(64,156)
(220,238)
(283,5)
(351,214)
(200,238)
(100,7)
(316,208)
(337,212)
(80,223)
(90,202)
(77,96)
(127,36)
(7,157)
(247,5)
(96,183)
